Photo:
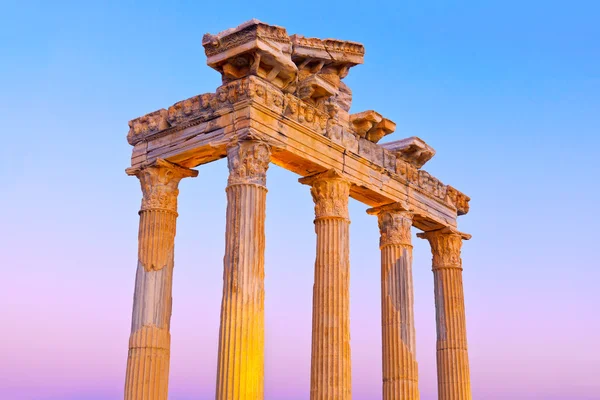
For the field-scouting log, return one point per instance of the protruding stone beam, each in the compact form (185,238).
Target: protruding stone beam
(240,374)
(253,48)
(331,363)
(149,344)
(413,150)
(400,370)
(452,357)
(322,64)
(371,125)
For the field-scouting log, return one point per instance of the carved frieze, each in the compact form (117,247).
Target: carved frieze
(459,199)
(305,114)
(143,126)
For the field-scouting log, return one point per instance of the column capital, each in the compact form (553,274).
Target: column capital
(330,191)
(248,161)
(159,182)
(445,246)
(395,222)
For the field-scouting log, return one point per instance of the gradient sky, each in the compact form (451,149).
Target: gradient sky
(507,92)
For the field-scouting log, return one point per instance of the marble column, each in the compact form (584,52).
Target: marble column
(240,369)
(452,357)
(149,344)
(399,361)
(331,363)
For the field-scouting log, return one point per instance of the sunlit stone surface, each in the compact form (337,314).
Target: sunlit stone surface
(283,99)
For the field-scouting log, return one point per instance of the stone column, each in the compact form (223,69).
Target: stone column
(150,340)
(452,358)
(400,372)
(331,364)
(240,373)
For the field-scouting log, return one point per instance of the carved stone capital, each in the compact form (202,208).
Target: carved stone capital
(330,191)
(248,162)
(445,247)
(159,183)
(395,222)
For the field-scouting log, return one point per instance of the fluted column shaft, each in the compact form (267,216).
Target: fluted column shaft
(400,370)
(452,356)
(240,374)
(331,362)
(149,344)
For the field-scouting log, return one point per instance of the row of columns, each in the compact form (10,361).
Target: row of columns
(240,374)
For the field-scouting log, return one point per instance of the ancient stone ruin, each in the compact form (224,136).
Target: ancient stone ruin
(283,101)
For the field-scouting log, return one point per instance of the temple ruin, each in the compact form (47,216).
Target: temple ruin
(283,101)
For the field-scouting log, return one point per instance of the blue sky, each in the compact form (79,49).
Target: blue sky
(507,92)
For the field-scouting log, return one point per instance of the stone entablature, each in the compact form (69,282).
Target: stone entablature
(243,95)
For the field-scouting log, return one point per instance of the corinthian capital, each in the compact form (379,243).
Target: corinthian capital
(248,162)
(445,247)
(330,192)
(159,184)
(394,224)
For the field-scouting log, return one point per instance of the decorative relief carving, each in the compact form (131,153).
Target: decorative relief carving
(394,224)
(445,247)
(334,130)
(159,183)
(431,185)
(253,48)
(459,199)
(412,150)
(330,192)
(371,125)
(150,123)
(305,114)
(248,162)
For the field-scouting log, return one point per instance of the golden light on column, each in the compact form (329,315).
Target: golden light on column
(240,373)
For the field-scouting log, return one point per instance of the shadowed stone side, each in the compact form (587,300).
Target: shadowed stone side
(400,370)
(149,344)
(454,381)
(331,375)
(240,374)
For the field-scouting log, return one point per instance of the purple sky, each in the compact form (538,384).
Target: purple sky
(508,94)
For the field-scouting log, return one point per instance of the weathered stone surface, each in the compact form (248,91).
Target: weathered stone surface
(283,100)
(412,150)
(149,344)
(400,371)
(452,357)
(371,125)
(253,48)
(322,64)
(240,373)
(331,376)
